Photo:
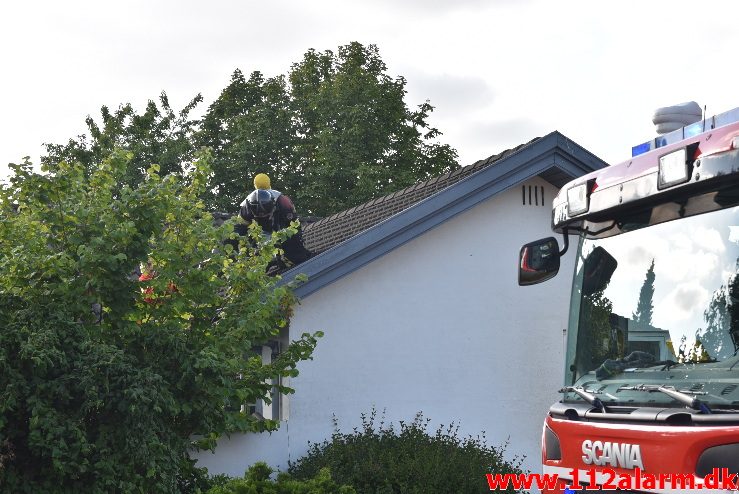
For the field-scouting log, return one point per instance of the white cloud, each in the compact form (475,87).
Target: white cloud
(683,255)
(708,239)
(640,255)
(434,7)
(734,234)
(445,90)
(480,139)
(681,304)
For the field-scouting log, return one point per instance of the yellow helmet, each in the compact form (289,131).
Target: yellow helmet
(261,181)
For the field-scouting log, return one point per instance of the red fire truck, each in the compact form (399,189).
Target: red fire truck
(651,385)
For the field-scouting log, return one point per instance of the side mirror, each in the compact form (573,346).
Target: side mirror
(597,268)
(538,261)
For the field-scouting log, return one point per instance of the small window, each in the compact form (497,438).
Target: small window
(262,409)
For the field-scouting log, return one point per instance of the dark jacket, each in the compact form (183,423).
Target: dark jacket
(283,214)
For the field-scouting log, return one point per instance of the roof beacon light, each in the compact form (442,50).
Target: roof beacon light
(686,132)
(673,168)
(577,199)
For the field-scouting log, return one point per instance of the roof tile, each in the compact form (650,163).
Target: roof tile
(334,229)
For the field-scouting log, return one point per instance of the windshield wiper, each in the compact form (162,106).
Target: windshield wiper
(669,364)
(587,396)
(683,397)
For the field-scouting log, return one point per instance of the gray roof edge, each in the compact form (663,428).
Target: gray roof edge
(551,150)
(589,161)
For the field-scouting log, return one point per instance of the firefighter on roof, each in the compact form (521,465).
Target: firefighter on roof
(273,211)
(270,208)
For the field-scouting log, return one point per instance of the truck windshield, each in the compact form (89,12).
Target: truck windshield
(658,305)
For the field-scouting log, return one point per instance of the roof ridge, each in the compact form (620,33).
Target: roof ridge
(458,172)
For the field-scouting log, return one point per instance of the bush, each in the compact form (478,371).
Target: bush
(195,480)
(378,459)
(257,481)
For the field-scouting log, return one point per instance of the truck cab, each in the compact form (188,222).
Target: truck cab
(651,377)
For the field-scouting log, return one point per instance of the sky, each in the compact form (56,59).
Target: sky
(498,72)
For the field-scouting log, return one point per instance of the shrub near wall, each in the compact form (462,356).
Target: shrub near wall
(257,481)
(378,459)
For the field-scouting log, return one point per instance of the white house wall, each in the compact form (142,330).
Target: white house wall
(438,325)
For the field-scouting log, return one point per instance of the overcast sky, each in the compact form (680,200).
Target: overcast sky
(499,72)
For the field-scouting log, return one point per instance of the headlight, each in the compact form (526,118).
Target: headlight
(673,168)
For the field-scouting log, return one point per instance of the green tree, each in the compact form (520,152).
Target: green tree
(733,309)
(603,340)
(359,138)
(109,382)
(251,129)
(645,306)
(158,135)
(721,334)
(333,132)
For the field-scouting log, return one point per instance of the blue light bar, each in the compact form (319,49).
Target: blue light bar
(641,148)
(694,129)
(691,130)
